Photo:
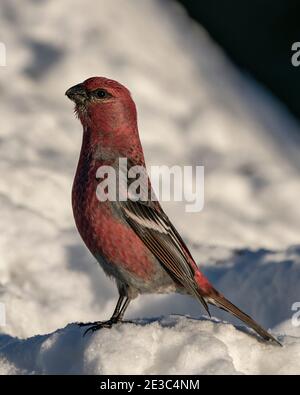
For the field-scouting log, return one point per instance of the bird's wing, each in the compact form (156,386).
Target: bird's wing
(154,228)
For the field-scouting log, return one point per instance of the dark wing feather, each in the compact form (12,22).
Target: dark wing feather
(155,229)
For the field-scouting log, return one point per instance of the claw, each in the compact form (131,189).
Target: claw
(95,326)
(88,323)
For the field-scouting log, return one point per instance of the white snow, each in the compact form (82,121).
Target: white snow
(194,108)
(172,345)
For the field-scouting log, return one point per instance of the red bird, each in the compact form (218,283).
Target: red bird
(134,241)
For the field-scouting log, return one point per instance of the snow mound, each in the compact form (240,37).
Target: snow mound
(170,345)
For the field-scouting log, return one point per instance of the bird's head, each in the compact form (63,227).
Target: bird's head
(103,103)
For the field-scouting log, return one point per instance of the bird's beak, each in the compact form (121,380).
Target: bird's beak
(77,94)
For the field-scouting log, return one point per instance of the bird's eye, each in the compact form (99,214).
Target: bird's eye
(101,94)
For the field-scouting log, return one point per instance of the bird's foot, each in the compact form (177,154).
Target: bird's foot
(95,326)
(88,323)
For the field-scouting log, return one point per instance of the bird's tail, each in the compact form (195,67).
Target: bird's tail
(220,301)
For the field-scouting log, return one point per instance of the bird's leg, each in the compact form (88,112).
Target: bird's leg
(119,310)
(115,318)
(115,314)
(123,309)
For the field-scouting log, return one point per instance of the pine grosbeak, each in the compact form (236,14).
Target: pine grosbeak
(133,241)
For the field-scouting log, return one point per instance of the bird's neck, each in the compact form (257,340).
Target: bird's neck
(108,144)
(102,147)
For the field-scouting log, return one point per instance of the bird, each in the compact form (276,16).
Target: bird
(133,240)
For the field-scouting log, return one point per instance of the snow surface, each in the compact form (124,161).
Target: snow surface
(194,108)
(173,345)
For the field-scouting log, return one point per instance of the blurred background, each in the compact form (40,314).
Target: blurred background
(258,36)
(214,86)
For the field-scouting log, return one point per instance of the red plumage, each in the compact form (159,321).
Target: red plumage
(134,242)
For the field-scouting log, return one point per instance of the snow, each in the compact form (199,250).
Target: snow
(194,108)
(170,345)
